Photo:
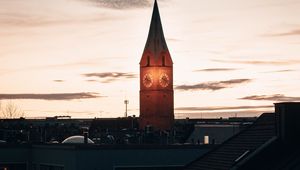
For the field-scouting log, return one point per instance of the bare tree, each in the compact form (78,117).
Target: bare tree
(10,110)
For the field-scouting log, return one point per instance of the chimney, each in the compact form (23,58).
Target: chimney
(287,117)
(85,135)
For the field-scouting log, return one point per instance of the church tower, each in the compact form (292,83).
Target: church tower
(156,79)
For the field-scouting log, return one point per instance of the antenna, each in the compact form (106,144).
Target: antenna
(126,102)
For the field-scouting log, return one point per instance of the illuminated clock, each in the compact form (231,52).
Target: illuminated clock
(164,80)
(147,80)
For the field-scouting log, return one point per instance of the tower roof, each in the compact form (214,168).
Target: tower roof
(156,42)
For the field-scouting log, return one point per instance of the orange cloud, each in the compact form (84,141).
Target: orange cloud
(274,97)
(215,85)
(51,96)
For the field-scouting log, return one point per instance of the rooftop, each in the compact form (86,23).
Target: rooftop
(233,150)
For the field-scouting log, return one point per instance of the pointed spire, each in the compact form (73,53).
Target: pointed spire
(156,42)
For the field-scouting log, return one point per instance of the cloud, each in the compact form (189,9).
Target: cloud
(28,20)
(108,77)
(51,96)
(122,4)
(220,108)
(260,62)
(274,97)
(280,71)
(91,80)
(173,40)
(78,64)
(215,85)
(19,19)
(25,13)
(289,33)
(58,81)
(215,69)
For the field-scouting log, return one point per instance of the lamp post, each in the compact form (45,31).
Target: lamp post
(126,102)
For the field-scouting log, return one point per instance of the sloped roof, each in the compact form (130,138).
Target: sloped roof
(237,147)
(277,155)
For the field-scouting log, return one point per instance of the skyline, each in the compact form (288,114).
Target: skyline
(81,57)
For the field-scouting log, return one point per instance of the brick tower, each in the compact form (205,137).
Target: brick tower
(156,79)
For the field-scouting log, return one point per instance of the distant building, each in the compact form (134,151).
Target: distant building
(53,129)
(156,79)
(118,130)
(212,133)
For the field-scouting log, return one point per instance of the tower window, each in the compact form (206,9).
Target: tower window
(148,61)
(163,61)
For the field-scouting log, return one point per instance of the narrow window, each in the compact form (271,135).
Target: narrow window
(148,61)
(163,61)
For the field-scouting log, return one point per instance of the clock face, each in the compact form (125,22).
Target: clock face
(164,80)
(147,80)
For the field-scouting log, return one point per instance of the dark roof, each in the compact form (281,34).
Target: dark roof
(236,148)
(156,42)
(276,156)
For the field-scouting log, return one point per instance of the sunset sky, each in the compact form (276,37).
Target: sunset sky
(81,57)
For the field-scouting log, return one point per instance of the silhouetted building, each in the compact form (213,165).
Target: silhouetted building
(156,79)
(272,142)
(117,130)
(54,129)
(212,133)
